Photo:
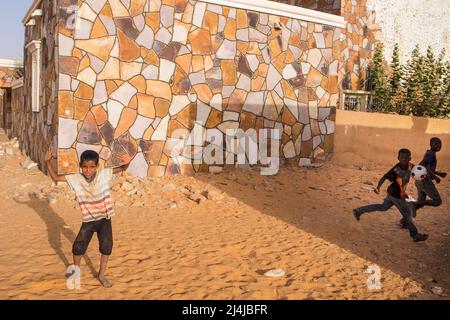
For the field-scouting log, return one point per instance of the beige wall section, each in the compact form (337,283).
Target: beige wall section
(376,138)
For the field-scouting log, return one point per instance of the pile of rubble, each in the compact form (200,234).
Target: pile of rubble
(9,148)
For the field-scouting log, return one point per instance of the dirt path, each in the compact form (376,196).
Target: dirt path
(299,220)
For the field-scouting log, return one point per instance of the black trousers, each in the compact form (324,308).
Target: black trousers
(103,228)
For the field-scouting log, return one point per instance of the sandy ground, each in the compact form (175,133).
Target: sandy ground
(300,221)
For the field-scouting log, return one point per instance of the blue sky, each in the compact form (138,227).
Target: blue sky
(11,28)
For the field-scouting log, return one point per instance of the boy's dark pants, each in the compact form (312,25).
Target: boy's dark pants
(426,188)
(401,205)
(104,234)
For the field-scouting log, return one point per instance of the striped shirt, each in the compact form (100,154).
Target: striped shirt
(93,197)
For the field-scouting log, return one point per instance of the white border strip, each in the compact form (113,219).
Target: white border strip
(7,63)
(285,10)
(30,11)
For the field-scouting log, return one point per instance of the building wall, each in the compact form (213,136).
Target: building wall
(18,126)
(363,138)
(412,22)
(38,130)
(131,76)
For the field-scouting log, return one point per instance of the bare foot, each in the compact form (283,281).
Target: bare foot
(104,282)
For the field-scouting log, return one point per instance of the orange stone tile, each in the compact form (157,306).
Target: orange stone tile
(257,83)
(314,78)
(248,120)
(210,22)
(133,103)
(65,104)
(152,19)
(242,47)
(144,52)
(204,93)
(84,91)
(274,47)
(279,62)
(126,121)
(148,133)
(208,63)
(106,11)
(214,119)
(152,58)
(85,62)
(156,171)
(333,84)
(128,49)
(295,39)
(229,72)
(137,7)
(139,83)
(288,90)
(241,19)
(178,77)
(262,70)
(230,29)
(67,161)
(162,107)
(98,30)
(159,89)
(187,116)
(146,105)
(287,117)
(198,63)
(100,115)
(236,100)
(253,48)
(77,53)
(81,108)
(173,126)
(184,62)
(111,86)
(200,41)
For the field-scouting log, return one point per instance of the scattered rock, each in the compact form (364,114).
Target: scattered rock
(126,186)
(173,205)
(196,198)
(169,187)
(28,164)
(437,291)
(47,190)
(9,151)
(232,176)
(275,273)
(212,195)
(132,192)
(26,185)
(52,200)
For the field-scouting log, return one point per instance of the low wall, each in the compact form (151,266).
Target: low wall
(376,138)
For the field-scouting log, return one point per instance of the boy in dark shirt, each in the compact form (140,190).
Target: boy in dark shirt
(426,186)
(399,177)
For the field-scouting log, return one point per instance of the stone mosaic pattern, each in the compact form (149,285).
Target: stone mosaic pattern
(138,70)
(358,43)
(37,130)
(328,6)
(7,76)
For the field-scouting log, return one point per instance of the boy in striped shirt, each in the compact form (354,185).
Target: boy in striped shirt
(94,197)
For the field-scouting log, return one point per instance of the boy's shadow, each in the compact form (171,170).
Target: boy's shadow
(55,227)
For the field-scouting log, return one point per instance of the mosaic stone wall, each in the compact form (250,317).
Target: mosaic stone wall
(37,130)
(328,6)
(138,70)
(358,43)
(7,76)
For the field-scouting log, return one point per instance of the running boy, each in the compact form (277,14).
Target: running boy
(426,186)
(94,197)
(399,177)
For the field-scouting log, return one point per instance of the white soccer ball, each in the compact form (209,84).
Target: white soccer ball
(418,172)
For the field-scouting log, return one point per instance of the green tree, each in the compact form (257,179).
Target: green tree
(379,80)
(396,92)
(414,82)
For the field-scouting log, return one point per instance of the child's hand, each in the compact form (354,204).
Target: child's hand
(443,174)
(48,154)
(376,190)
(437,179)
